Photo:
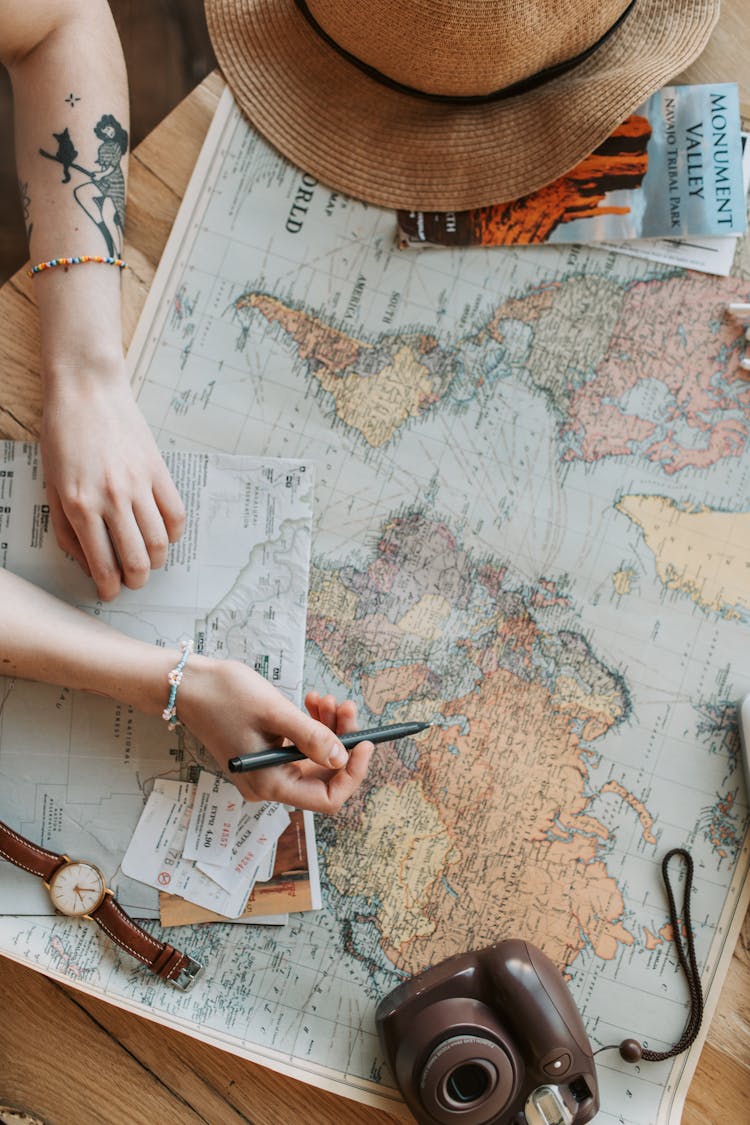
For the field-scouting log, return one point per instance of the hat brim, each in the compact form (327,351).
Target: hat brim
(361,137)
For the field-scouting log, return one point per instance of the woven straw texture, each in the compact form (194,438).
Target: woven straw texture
(360,136)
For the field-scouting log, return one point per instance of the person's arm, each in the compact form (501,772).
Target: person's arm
(113,504)
(223,703)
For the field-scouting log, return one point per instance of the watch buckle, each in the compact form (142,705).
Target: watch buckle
(187,975)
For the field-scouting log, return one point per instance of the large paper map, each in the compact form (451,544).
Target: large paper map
(532,529)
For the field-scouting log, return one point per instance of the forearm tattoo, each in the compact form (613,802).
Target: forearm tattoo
(23,191)
(99,192)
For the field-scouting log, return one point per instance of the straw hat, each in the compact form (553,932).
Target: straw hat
(448,104)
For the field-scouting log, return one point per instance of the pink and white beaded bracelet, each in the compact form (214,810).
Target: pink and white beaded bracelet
(174,679)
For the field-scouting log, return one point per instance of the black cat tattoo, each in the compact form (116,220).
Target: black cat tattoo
(101,193)
(65,155)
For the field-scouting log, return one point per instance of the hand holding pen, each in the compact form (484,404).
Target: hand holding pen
(233,711)
(279,756)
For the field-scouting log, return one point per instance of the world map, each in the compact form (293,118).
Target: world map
(646,369)
(531,532)
(531,479)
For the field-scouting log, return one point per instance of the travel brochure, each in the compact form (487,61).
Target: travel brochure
(672,170)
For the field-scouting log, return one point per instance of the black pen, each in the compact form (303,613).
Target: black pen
(278,756)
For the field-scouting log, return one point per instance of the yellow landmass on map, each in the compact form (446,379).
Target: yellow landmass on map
(426,619)
(402,825)
(339,602)
(699,551)
(376,388)
(622,580)
(379,404)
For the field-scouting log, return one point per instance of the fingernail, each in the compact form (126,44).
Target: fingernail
(338,758)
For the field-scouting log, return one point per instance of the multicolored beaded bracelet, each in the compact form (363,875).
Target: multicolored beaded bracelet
(174,679)
(100,258)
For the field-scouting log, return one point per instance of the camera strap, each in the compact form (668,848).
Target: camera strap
(630,1049)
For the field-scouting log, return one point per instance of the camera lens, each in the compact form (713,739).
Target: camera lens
(467,1078)
(467,1083)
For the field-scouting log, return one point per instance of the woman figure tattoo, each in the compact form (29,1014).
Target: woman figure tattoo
(102,193)
(102,197)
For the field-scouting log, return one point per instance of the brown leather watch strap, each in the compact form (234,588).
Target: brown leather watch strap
(161,957)
(17,849)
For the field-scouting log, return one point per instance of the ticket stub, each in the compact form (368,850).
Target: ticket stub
(213,823)
(260,826)
(154,855)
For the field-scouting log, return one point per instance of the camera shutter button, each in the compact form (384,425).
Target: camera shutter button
(557,1063)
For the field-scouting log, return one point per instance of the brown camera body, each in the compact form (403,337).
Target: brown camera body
(491,1037)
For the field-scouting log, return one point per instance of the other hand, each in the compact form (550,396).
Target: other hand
(113,504)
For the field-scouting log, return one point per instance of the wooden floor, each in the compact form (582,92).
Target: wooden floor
(167,51)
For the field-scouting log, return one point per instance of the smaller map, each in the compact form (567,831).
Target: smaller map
(76,768)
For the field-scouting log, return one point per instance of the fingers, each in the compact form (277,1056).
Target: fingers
(97,547)
(66,537)
(114,489)
(140,538)
(316,740)
(328,794)
(153,530)
(120,547)
(170,507)
(116,554)
(341,717)
(129,547)
(318,783)
(308,786)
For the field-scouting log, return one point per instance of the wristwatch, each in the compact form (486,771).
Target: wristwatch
(78,890)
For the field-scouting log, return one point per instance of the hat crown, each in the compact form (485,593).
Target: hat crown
(464,47)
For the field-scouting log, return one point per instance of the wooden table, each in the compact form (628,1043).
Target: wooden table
(70,1058)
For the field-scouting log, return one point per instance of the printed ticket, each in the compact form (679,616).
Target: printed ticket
(259,829)
(213,823)
(157,853)
(154,855)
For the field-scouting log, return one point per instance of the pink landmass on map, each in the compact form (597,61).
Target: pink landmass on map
(675,333)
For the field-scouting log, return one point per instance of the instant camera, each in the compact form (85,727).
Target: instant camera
(490,1038)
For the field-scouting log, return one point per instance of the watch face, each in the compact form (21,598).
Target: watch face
(77,888)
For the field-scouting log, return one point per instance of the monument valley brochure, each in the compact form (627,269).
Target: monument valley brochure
(672,169)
